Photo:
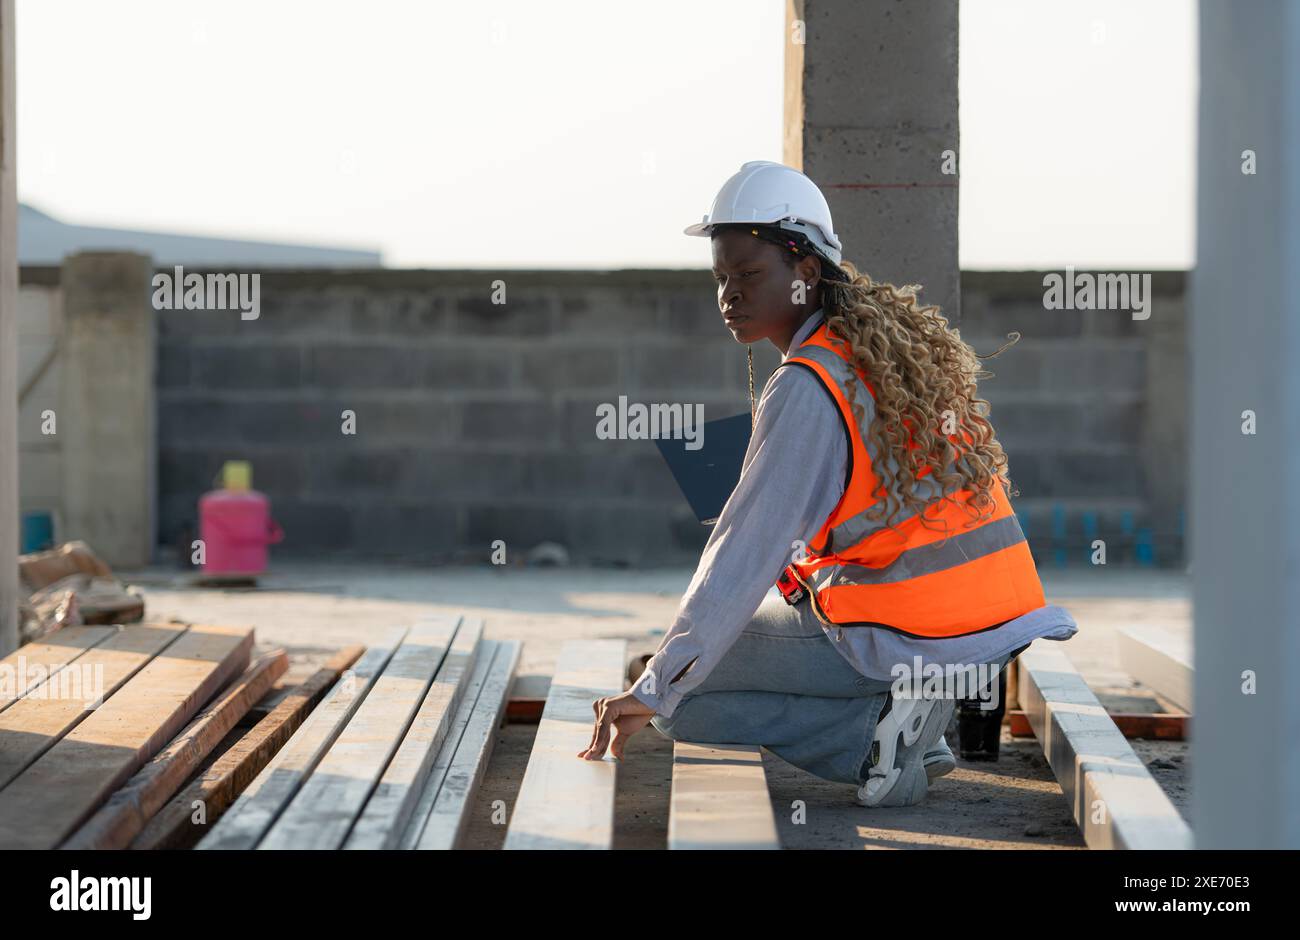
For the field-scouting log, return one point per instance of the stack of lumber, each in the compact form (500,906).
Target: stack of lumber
(111,701)
(392,756)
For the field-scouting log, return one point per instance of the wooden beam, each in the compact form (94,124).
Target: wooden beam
(324,809)
(1160,659)
(1153,726)
(565,802)
(58,792)
(252,814)
(46,656)
(468,701)
(125,813)
(37,721)
(387,812)
(1112,795)
(720,799)
(187,815)
(463,770)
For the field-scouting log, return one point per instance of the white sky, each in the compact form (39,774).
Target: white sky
(576,135)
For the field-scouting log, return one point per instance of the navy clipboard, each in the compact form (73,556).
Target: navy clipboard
(708,476)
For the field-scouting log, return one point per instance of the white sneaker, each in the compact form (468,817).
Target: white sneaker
(913,726)
(939,760)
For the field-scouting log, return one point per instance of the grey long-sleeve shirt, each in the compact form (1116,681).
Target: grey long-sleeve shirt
(791,479)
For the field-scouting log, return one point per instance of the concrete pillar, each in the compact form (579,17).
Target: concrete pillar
(8,341)
(106,405)
(1244,515)
(870,109)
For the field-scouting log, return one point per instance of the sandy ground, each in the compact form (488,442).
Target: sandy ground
(1013,803)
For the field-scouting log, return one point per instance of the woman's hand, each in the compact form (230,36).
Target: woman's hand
(626,714)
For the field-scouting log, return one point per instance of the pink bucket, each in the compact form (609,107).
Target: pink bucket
(236,527)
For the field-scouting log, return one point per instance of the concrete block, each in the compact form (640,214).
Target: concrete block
(370,366)
(1093,475)
(245,366)
(1014,370)
(1114,423)
(673,370)
(360,473)
(693,313)
(326,314)
(314,528)
(519,526)
(1104,370)
(577,477)
(1022,425)
(528,425)
(457,477)
(528,313)
(609,311)
(426,423)
(985,325)
(454,367)
(416,531)
(174,365)
(560,369)
(413,314)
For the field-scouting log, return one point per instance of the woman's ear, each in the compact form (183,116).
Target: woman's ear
(809,270)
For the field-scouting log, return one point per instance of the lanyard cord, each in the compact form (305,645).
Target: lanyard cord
(753,411)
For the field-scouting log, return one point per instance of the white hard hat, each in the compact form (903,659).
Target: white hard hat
(774,194)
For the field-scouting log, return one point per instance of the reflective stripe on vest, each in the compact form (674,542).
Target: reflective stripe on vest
(937,573)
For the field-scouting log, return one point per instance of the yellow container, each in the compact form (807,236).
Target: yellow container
(237,475)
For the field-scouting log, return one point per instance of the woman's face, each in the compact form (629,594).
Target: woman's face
(756,287)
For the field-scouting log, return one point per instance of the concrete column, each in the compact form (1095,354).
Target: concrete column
(8,341)
(1244,516)
(106,405)
(870,108)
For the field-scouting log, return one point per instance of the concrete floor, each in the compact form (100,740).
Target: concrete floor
(311,610)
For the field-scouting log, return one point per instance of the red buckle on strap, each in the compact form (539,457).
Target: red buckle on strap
(789,586)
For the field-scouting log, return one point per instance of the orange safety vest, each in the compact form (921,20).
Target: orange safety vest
(952,578)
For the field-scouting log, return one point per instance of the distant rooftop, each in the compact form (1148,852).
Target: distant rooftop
(44,240)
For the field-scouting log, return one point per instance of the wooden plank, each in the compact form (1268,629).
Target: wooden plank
(386,814)
(188,815)
(720,799)
(469,698)
(1160,659)
(58,792)
(30,666)
(125,813)
(565,802)
(448,815)
(37,721)
(1113,797)
(1153,726)
(324,809)
(252,814)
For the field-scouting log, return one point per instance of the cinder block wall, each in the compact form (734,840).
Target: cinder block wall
(476,421)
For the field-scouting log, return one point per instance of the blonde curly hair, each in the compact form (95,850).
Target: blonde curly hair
(924,377)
